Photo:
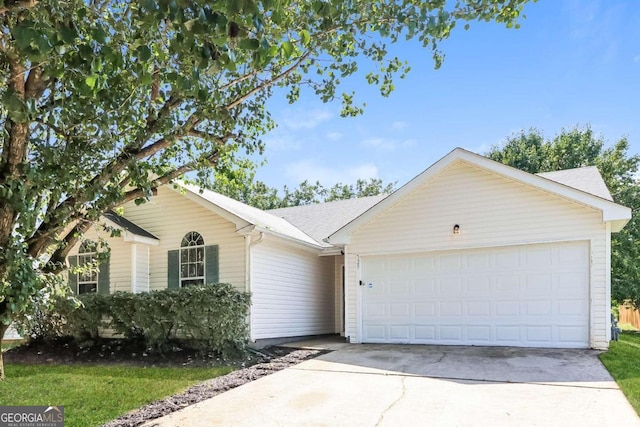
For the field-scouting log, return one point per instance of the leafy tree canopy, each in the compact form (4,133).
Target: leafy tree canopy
(101,101)
(578,147)
(240,184)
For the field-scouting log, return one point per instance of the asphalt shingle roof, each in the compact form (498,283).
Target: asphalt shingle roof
(255,216)
(587,179)
(123,222)
(321,220)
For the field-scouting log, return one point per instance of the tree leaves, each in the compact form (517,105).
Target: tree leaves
(127,96)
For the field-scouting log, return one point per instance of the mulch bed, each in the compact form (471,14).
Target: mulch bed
(133,353)
(284,357)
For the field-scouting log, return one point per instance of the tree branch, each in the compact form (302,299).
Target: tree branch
(17,5)
(268,83)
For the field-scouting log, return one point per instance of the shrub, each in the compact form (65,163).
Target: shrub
(208,318)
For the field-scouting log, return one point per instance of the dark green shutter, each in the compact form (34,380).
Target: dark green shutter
(73,276)
(173,266)
(103,277)
(211,274)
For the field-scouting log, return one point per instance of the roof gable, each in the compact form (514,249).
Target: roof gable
(617,214)
(245,217)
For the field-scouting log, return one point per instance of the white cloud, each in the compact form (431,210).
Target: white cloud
(311,171)
(387,143)
(306,118)
(379,143)
(399,125)
(281,141)
(334,136)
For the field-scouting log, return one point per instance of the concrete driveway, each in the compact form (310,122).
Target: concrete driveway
(397,385)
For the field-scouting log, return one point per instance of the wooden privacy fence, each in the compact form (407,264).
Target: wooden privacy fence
(630,316)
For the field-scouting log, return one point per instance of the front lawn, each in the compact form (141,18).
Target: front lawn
(623,362)
(93,395)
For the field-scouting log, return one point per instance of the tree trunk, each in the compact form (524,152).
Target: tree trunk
(3,329)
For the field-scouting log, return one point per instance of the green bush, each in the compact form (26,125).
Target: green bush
(208,318)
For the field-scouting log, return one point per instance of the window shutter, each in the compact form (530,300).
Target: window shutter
(73,277)
(211,274)
(103,277)
(173,269)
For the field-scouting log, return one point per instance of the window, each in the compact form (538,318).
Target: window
(192,259)
(87,280)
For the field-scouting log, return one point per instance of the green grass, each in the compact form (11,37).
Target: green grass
(93,395)
(623,363)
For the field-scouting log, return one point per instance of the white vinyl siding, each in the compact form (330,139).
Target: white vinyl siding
(293,292)
(169,216)
(492,211)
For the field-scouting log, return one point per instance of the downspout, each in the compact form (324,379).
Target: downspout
(248,245)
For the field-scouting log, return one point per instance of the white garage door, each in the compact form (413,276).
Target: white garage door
(531,295)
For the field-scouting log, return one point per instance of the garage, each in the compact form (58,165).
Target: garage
(473,252)
(528,295)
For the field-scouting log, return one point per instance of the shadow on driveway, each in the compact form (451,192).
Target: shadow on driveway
(493,364)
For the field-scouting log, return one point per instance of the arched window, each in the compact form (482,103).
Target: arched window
(192,259)
(88,279)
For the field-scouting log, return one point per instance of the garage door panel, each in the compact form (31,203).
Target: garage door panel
(508,284)
(451,333)
(479,333)
(375,310)
(538,257)
(539,308)
(508,308)
(479,262)
(506,259)
(538,284)
(424,287)
(424,333)
(399,332)
(533,295)
(399,288)
(375,332)
(478,285)
(539,334)
(424,309)
(399,310)
(569,283)
(450,286)
(449,262)
(478,309)
(449,309)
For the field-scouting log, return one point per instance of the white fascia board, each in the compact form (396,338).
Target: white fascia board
(291,241)
(196,198)
(611,211)
(134,238)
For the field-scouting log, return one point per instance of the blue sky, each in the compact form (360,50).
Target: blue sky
(573,62)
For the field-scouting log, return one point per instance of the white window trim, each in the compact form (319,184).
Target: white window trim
(82,256)
(204,260)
